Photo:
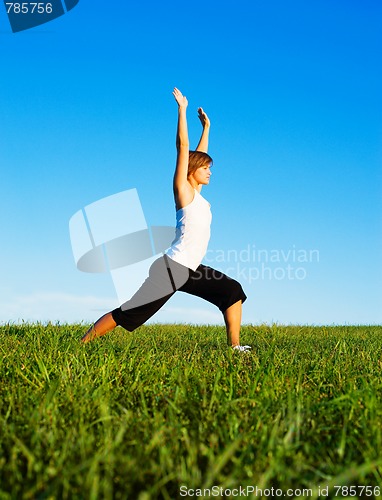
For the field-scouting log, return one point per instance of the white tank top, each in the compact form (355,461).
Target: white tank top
(192,233)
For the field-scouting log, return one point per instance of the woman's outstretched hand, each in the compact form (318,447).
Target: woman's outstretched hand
(205,121)
(180,98)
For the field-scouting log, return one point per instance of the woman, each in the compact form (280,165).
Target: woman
(180,267)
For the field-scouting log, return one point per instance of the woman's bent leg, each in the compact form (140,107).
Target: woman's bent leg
(232,318)
(222,291)
(104,325)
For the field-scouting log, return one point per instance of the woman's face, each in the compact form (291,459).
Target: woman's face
(202,174)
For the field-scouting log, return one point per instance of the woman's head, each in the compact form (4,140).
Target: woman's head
(197,159)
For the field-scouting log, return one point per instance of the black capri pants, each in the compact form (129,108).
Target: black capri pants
(165,278)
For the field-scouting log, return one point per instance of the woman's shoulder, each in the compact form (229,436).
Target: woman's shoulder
(184,196)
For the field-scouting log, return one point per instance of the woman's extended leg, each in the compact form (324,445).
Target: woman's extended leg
(104,325)
(232,318)
(155,291)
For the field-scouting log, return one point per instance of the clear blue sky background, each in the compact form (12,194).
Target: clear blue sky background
(293,93)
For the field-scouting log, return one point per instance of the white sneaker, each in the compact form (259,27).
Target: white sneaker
(242,348)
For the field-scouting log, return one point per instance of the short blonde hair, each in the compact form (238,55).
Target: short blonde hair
(197,159)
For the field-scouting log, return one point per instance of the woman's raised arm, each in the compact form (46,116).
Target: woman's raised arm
(182,143)
(205,121)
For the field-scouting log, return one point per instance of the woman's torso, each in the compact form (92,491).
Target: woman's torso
(192,232)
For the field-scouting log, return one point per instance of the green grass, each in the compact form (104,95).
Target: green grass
(138,415)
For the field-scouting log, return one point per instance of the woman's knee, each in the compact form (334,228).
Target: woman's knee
(235,293)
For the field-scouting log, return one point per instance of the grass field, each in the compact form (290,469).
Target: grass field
(140,415)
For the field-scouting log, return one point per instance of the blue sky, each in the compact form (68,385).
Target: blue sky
(293,93)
